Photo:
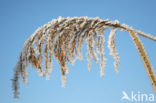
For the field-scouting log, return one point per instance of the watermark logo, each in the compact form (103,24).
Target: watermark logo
(137,97)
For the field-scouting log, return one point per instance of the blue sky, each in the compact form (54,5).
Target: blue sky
(19,19)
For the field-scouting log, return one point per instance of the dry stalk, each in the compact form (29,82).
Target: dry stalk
(144,58)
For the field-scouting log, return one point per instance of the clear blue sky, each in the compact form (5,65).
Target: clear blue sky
(19,19)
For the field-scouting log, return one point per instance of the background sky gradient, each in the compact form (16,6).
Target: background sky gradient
(20,18)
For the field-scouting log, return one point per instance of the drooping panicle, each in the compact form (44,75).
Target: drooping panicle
(62,39)
(112,48)
(100,49)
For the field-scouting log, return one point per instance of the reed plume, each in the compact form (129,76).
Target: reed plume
(62,39)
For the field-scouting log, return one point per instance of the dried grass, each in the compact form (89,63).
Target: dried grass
(62,39)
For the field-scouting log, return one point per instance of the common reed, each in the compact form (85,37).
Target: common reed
(62,39)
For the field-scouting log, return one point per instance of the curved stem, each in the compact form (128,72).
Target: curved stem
(127,28)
